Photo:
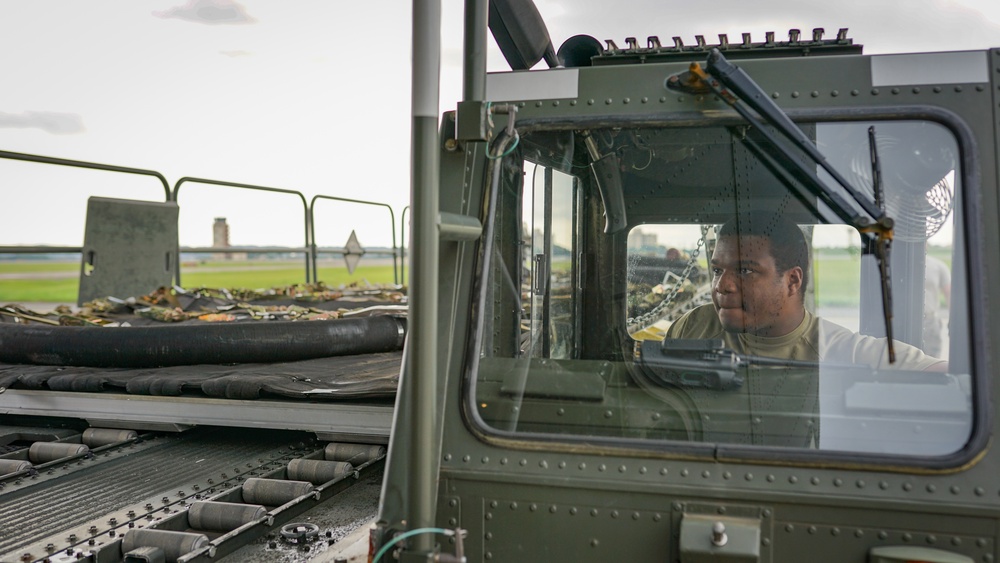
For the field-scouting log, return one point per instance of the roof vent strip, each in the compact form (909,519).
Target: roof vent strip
(798,44)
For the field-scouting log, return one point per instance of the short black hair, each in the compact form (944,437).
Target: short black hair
(788,243)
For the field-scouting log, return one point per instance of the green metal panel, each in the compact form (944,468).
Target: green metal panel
(527,499)
(129,248)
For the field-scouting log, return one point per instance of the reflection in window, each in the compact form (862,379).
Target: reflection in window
(733,309)
(547,235)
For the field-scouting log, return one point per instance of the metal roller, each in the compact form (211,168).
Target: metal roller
(223,516)
(8,466)
(318,471)
(173,544)
(145,555)
(273,492)
(353,453)
(44,452)
(96,437)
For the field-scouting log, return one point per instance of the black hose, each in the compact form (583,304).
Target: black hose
(176,345)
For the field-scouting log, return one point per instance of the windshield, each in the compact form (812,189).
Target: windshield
(731,308)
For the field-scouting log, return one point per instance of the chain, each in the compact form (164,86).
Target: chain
(657,312)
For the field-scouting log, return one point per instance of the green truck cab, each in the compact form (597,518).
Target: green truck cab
(579,212)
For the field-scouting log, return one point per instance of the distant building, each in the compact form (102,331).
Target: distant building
(220,239)
(220,233)
(638,240)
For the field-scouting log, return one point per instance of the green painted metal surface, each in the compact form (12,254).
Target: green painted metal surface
(577,460)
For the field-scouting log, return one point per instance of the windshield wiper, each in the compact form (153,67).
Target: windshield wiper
(691,363)
(882,243)
(709,364)
(739,91)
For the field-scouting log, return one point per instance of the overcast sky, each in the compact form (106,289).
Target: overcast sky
(312,96)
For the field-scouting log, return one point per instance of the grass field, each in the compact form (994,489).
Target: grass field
(836,271)
(46,291)
(57,282)
(836,281)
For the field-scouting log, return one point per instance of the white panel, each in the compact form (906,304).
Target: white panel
(533,85)
(930,68)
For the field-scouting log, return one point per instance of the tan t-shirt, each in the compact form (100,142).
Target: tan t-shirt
(814,339)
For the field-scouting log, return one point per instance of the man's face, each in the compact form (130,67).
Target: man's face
(748,292)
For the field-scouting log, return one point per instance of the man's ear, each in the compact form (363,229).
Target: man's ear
(794,280)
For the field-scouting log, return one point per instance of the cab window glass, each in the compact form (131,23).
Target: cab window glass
(675,285)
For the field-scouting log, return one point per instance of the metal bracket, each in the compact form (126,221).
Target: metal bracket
(715,538)
(472,121)
(459,228)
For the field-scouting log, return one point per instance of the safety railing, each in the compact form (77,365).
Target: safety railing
(315,251)
(305,249)
(309,248)
(75,164)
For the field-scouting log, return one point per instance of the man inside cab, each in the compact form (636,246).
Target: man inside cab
(759,274)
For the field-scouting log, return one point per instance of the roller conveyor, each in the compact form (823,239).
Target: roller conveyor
(181,497)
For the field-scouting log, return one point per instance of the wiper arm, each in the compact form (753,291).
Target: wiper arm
(734,86)
(738,90)
(709,364)
(704,363)
(882,244)
(692,363)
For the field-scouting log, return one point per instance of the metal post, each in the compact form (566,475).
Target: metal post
(424,273)
(474,73)
(402,242)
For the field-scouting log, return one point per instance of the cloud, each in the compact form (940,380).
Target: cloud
(50,122)
(915,25)
(211,12)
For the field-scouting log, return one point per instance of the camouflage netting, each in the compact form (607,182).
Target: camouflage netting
(173,305)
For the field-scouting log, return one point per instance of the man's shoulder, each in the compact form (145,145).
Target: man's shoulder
(700,322)
(843,345)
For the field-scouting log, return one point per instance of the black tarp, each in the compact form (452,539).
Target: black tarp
(362,376)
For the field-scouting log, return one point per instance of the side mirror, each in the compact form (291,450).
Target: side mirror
(521,34)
